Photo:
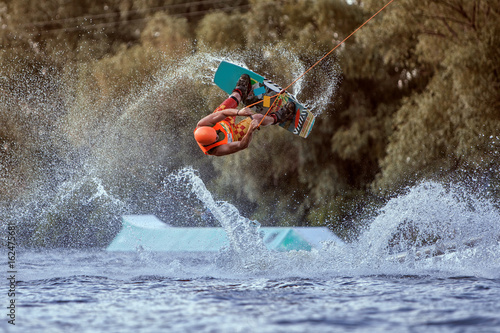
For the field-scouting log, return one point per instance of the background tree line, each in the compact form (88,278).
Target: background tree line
(87,85)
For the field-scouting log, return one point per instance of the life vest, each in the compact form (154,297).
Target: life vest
(224,135)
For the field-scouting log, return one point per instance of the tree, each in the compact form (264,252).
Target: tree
(451,120)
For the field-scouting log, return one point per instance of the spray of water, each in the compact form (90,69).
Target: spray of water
(68,145)
(246,247)
(122,165)
(430,228)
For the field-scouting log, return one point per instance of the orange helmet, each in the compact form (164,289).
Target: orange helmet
(205,135)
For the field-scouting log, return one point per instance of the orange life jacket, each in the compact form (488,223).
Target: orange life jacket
(224,135)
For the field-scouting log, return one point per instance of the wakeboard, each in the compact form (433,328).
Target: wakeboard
(227,76)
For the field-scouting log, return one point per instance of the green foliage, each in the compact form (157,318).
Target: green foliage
(452,121)
(167,34)
(219,30)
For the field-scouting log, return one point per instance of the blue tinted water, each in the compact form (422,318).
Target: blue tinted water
(99,291)
(389,280)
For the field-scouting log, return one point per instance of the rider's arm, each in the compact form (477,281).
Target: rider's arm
(215,117)
(233,147)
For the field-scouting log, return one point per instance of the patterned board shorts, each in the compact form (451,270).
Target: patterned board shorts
(239,129)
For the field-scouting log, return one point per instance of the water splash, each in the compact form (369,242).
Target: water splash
(118,166)
(73,144)
(431,228)
(246,247)
(431,213)
(78,213)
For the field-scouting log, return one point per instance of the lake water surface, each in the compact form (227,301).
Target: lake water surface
(99,291)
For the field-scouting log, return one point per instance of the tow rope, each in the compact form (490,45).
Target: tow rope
(320,60)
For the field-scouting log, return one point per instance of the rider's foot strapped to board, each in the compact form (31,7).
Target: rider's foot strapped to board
(284,113)
(243,86)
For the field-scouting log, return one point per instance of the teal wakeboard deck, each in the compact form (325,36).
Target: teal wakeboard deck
(227,76)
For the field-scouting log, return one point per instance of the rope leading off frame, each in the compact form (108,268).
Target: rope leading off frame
(320,60)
